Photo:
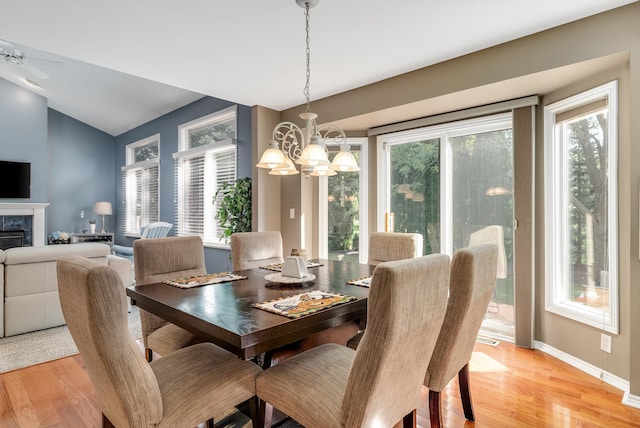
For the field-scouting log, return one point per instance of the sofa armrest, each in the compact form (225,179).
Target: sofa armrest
(122,251)
(122,266)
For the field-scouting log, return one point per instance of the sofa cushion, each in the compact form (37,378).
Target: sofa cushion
(47,253)
(2,256)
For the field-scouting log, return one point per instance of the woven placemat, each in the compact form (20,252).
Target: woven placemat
(303,304)
(365,281)
(200,280)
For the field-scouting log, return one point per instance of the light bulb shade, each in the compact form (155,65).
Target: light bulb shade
(103,208)
(322,171)
(314,154)
(272,157)
(344,161)
(289,170)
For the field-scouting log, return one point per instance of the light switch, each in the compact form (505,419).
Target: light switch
(292,213)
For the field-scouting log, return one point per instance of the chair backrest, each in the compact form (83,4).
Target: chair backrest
(406,306)
(389,246)
(159,229)
(254,249)
(94,305)
(473,278)
(159,259)
(493,234)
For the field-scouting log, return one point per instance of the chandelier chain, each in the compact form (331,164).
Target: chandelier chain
(308,52)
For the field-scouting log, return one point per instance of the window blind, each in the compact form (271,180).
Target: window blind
(199,174)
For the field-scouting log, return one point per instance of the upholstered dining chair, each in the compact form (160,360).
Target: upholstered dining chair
(378,384)
(158,229)
(182,389)
(157,260)
(473,277)
(386,247)
(389,246)
(254,249)
(493,234)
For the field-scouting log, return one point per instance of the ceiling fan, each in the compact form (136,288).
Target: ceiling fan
(12,55)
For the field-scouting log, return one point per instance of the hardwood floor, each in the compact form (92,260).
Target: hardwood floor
(511,387)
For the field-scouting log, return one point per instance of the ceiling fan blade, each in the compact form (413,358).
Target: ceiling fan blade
(36,72)
(45,62)
(7,47)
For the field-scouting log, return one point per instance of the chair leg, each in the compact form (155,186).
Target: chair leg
(410,420)
(106,423)
(254,411)
(148,354)
(265,417)
(210,423)
(435,415)
(465,393)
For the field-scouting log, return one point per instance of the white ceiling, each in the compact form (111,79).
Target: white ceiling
(127,62)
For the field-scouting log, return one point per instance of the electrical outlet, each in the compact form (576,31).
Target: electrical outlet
(605,342)
(292,213)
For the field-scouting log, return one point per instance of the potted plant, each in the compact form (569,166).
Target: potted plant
(234,209)
(92,225)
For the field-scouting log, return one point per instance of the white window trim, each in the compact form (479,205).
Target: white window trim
(132,165)
(555,171)
(323,204)
(185,152)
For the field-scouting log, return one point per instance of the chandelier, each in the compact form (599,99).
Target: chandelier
(307,148)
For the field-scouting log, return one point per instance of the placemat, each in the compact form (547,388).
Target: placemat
(278,266)
(198,281)
(303,304)
(365,281)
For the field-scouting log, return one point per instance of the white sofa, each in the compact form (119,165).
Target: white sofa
(29,284)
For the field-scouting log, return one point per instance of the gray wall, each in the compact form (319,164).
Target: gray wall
(23,135)
(81,172)
(167,126)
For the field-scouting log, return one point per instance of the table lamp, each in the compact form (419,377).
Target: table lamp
(102,208)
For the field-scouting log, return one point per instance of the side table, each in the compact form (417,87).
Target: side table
(106,238)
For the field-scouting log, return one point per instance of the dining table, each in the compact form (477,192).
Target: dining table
(225,313)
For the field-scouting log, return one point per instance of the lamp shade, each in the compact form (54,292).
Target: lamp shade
(344,160)
(103,208)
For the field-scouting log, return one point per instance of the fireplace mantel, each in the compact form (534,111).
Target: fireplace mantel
(35,209)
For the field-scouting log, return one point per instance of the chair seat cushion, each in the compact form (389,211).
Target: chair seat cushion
(201,380)
(326,369)
(169,338)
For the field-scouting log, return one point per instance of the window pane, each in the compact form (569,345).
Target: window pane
(146,152)
(587,210)
(482,211)
(211,133)
(343,213)
(415,190)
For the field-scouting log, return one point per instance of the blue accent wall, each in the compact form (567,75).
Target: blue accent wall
(23,135)
(167,126)
(81,172)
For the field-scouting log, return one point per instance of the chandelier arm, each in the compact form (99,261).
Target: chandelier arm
(290,139)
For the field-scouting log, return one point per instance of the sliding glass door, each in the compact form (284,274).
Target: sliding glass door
(453,184)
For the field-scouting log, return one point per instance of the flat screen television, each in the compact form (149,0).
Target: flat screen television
(15,179)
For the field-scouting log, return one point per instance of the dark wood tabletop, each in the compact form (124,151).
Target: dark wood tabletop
(223,313)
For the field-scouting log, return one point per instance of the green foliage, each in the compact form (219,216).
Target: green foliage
(234,207)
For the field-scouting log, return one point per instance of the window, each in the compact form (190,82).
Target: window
(581,266)
(453,183)
(140,184)
(344,209)
(206,159)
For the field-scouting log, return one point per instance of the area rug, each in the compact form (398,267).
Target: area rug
(41,346)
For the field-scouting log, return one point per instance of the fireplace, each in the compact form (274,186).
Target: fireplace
(28,217)
(11,239)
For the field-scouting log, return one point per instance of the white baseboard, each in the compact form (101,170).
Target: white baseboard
(597,372)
